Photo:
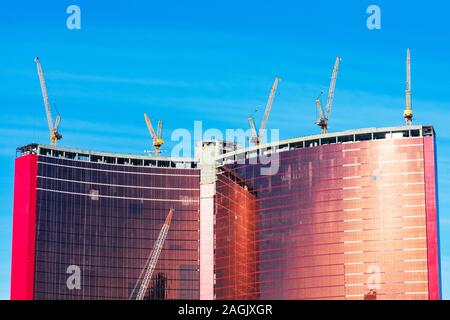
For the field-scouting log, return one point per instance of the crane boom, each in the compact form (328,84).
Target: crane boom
(258,136)
(57,121)
(408,114)
(156,137)
(262,128)
(52,127)
(153,258)
(332,87)
(254,137)
(44,93)
(322,122)
(150,127)
(319,106)
(159,130)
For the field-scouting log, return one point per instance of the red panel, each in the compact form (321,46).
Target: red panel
(24,228)
(432,223)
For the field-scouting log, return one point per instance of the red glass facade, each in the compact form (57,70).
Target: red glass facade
(235,257)
(103,219)
(341,218)
(350,220)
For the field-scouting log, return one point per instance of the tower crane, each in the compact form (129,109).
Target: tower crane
(152,259)
(258,136)
(156,137)
(53,127)
(324,115)
(408,114)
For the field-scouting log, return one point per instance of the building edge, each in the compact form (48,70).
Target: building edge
(24,228)
(438,220)
(432,219)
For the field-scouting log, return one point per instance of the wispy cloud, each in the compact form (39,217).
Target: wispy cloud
(153,82)
(118,79)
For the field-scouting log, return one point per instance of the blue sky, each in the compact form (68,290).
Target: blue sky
(214,61)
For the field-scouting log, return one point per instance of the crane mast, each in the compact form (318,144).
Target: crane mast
(258,136)
(156,137)
(408,114)
(322,122)
(53,127)
(153,259)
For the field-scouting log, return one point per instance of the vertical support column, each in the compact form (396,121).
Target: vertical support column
(432,220)
(207,153)
(24,228)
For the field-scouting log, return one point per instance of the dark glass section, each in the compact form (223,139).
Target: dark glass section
(159,287)
(339,221)
(104,219)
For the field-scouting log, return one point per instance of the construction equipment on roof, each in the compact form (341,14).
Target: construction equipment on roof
(408,114)
(258,136)
(324,115)
(152,259)
(53,127)
(156,137)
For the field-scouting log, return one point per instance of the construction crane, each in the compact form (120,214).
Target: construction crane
(258,136)
(53,127)
(324,115)
(152,259)
(157,137)
(408,114)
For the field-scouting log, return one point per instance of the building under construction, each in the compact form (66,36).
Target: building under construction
(345,215)
(102,213)
(348,215)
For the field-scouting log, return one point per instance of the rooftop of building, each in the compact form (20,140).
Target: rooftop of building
(329,138)
(231,156)
(105,157)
